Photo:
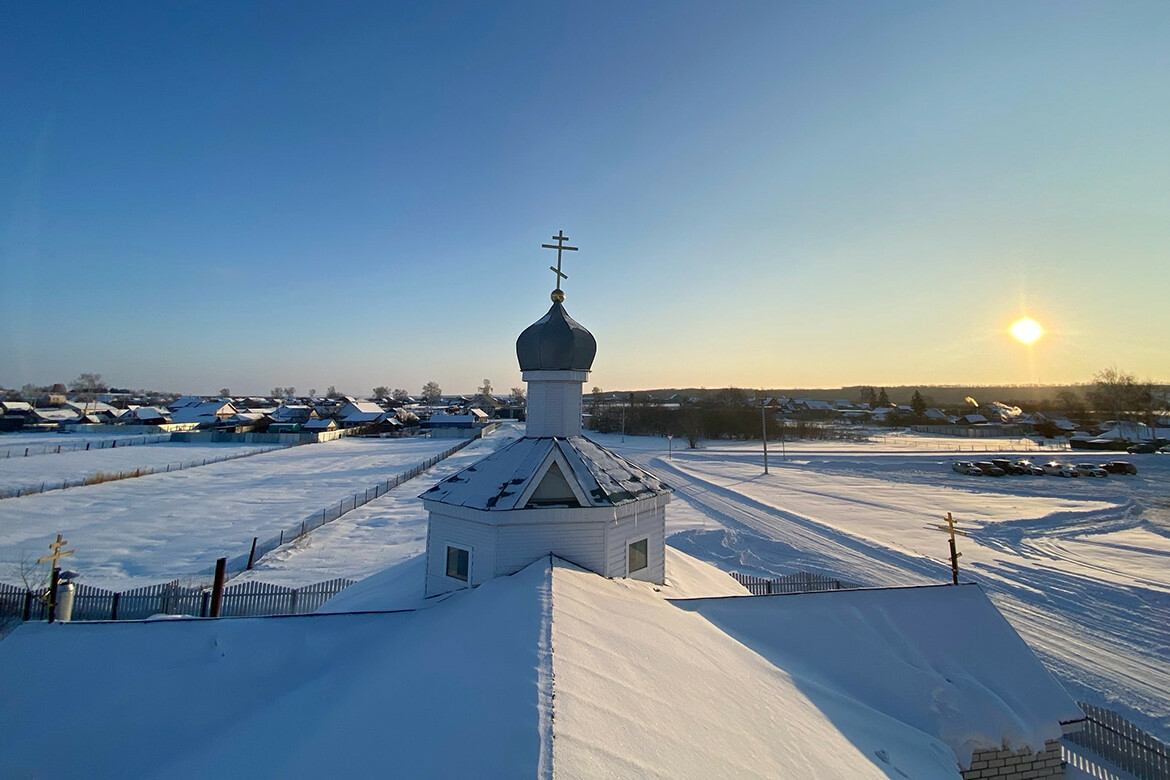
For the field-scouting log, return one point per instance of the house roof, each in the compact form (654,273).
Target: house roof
(551,671)
(208,411)
(500,480)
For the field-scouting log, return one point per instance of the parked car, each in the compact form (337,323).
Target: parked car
(1142,447)
(966,467)
(1119,467)
(1052,468)
(1007,466)
(1028,467)
(1090,470)
(989,468)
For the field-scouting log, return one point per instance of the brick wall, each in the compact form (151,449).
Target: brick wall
(1023,764)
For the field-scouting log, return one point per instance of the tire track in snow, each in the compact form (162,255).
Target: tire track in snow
(1109,644)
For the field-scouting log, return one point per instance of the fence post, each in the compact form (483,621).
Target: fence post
(252,554)
(217,586)
(27,605)
(114,606)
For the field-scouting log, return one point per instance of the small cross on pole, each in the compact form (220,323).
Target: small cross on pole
(955,554)
(55,575)
(560,239)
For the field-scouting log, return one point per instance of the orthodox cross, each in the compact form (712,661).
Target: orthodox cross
(55,573)
(57,553)
(955,554)
(560,239)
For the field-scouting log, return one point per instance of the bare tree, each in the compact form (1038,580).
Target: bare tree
(224,392)
(431,392)
(517,396)
(332,392)
(381,391)
(312,392)
(399,394)
(1119,395)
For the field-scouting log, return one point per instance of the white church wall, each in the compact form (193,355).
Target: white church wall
(477,538)
(644,519)
(582,543)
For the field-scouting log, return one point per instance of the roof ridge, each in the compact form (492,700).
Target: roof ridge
(545,678)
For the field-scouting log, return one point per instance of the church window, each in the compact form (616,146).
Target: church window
(457,563)
(638,556)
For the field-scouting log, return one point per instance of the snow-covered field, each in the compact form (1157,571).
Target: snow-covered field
(32,473)
(155,528)
(14,444)
(1081,567)
(383,533)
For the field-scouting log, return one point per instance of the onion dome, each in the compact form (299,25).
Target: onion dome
(556,342)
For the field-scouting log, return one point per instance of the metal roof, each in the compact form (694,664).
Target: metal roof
(499,481)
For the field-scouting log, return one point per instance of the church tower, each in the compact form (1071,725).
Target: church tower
(554,491)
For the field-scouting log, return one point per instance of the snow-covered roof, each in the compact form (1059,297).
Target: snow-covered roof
(56,415)
(186,400)
(207,411)
(15,406)
(553,671)
(90,407)
(292,413)
(498,481)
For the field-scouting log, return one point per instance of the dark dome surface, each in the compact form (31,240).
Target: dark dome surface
(556,342)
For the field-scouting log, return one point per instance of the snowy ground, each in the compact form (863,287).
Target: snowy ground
(14,445)
(155,528)
(52,470)
(384,532)
(1079,566)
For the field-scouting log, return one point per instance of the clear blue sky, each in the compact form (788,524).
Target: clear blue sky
(200,195)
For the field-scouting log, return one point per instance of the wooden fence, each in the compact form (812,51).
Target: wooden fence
(53,449)
(801,582)
(245,599)
(1122,744)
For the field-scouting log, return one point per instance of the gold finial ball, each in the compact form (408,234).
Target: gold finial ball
(558,295)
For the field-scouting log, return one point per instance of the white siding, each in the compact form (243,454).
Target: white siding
(479,539)
(554,407)
(650,524)
(579,543)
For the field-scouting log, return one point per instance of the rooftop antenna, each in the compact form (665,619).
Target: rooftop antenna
(558,295)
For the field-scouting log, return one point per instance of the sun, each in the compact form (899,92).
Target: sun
(1026,330)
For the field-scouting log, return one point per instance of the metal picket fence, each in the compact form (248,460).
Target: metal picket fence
(800,582)
(245,599)
(1122,744)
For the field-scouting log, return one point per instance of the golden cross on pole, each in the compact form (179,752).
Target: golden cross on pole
(57,554)
(955,554)
(560,239)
